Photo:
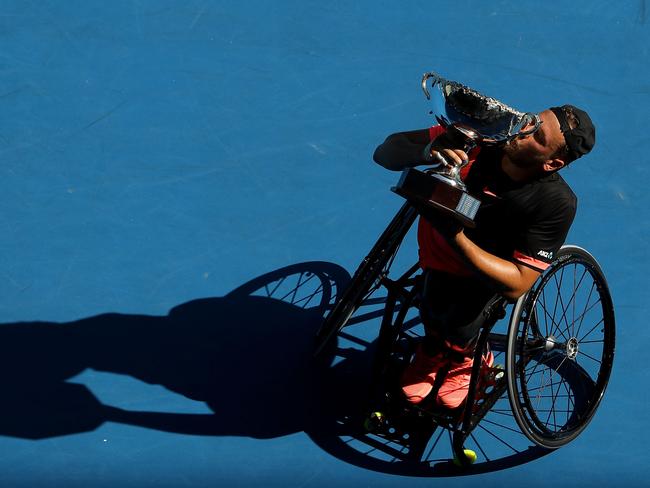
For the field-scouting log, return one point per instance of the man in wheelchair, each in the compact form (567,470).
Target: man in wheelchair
(525,215)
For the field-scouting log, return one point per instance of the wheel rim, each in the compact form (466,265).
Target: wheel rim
(564,351)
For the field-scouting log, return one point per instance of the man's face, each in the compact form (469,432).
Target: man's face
(536,149)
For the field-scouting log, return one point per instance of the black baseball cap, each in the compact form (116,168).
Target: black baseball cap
(582,137)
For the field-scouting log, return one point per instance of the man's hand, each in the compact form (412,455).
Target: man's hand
(448,226)
(445,150)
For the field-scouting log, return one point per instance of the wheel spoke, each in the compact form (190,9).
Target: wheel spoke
(435,443)
(308,298)
(554,400)
(573,308)
(548,316)
(557,299)
(582,316)
(500,425)
(565,308)
(548,396)
(497,438)
(552,412)
(507,412)
(538,364)
(480,448)
(558,324)
(571,404)
(550,379)
(294,291)
(591,330)
(270,294)
(590,357)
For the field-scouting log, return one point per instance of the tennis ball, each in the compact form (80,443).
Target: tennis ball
(469,454)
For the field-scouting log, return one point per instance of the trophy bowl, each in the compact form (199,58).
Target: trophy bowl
(470,119)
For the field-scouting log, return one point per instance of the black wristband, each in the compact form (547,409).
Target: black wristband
(426,153)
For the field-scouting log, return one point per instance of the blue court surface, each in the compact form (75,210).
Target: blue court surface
(169,167)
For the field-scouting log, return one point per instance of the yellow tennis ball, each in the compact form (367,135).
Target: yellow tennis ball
(469,454)
(373,421)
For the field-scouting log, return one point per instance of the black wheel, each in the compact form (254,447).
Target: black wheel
(560,349)
(367,278)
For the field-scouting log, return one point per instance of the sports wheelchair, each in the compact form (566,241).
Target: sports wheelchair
(556,352)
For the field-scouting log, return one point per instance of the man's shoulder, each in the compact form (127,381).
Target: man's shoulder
(555,187)
(551,198)
(547,197)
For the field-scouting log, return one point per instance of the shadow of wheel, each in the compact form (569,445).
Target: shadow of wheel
(314,285)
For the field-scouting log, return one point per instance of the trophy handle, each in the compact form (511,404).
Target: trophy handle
(425,78)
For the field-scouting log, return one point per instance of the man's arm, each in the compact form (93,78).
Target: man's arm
(534,247)
(402,150)
(413,148)
(511,279)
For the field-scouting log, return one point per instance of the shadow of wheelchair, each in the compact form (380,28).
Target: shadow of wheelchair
(248,357)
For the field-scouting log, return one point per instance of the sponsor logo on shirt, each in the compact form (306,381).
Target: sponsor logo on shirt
(545,254)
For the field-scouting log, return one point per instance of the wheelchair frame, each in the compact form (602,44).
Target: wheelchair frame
(527,348)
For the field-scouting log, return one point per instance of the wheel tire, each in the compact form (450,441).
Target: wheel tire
(559,354)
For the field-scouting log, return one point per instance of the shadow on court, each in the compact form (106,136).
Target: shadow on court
(241,354)
(247,355)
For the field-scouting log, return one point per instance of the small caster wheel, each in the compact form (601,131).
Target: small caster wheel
(498,370)
(469,455)
(374,422)
(493,374)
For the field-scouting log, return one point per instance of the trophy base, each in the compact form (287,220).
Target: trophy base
(439,194)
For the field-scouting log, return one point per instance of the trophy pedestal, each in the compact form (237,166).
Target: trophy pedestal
(438,193)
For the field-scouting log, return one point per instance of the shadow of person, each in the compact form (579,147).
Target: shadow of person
(247,355)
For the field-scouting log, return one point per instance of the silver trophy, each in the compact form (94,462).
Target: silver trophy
(470,119)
